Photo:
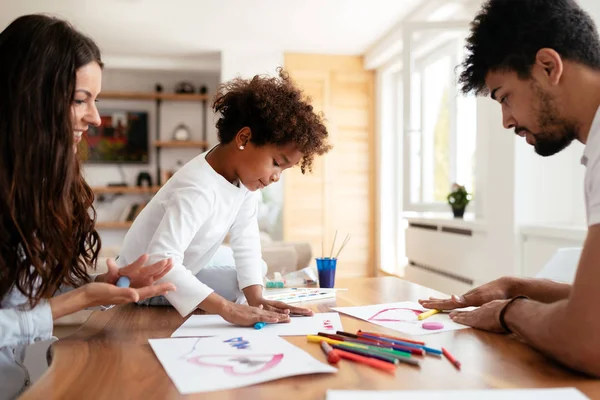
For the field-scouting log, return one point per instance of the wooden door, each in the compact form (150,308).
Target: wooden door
(340,193)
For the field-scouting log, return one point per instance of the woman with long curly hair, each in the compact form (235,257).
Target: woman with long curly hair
(50,76)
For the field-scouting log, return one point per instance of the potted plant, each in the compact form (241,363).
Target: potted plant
(458,200)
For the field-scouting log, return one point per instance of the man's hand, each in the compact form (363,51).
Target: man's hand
(138,274)
(500,289)
(486,317)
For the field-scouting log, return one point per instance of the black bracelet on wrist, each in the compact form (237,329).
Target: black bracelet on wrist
(503,312)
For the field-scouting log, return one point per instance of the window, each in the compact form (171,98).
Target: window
(440,142)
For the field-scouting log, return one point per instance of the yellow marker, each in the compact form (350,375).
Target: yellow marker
(427,314)
(319,339)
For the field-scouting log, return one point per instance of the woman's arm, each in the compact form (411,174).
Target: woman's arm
(23,325)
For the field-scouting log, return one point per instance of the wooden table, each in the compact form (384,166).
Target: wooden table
(109,357)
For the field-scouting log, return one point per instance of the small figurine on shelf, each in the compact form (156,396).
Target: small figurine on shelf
(185,87)
(144,179)
(181,133)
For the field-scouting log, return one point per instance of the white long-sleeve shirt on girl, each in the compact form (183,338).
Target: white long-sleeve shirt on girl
(186,221)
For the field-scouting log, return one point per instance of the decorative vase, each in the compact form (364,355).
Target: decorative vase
(458,212)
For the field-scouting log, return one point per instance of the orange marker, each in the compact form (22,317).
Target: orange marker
(451,358)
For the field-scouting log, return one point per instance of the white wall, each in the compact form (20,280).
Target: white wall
(247,63)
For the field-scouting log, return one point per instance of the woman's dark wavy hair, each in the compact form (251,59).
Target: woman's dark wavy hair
(47,235)
(276,112)
(507,34)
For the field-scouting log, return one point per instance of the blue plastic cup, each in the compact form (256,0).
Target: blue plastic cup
(326,268)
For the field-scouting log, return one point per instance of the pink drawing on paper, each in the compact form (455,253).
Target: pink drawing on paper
(396,315)
(239,366)
(328,325)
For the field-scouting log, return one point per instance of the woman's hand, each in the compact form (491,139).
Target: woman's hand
(98,293)
(138,274)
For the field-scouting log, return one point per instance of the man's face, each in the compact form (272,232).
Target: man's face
(531,111)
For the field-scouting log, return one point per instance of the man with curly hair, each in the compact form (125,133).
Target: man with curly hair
(540,60)
(265,127)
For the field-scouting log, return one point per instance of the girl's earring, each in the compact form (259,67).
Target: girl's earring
(241,147)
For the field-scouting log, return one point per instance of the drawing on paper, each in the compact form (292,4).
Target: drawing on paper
(238,343)
(234,365)
(232,361)
(403,317)
(239,366)
(396,314)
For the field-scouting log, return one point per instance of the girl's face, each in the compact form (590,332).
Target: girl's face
(258,167)
(83,110)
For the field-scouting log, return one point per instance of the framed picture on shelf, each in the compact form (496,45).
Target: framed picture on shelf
(122,137)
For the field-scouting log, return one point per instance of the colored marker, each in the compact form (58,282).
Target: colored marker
(379,356)
(450,358)
(372,342)
(381,335)
(388,352)
(366,353)
(427,314)
(428,350)
(332,336)
(259,325)
(332,356)
(384,366)
(123,282)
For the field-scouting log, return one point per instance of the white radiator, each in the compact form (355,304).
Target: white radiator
(443,256)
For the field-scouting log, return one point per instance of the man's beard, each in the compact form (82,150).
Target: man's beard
(556,133)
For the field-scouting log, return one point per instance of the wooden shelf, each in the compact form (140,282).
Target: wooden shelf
(125,190)
(153,96)
(181,144)
(113,225)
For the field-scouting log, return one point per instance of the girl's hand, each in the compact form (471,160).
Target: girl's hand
(279,307)
(243,315)
(138,274)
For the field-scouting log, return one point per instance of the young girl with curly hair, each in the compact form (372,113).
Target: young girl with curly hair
(265,127)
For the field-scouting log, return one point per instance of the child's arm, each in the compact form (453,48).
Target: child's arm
(245,243)
(185,213)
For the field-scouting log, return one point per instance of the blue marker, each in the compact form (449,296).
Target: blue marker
(259,325)
(123,282)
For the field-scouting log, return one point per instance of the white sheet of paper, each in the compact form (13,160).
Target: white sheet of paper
(213,325)
(401,317)
(489,394)
(227,362)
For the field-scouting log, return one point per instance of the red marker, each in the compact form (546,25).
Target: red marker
(372,362)
(450,358)
(332,355)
